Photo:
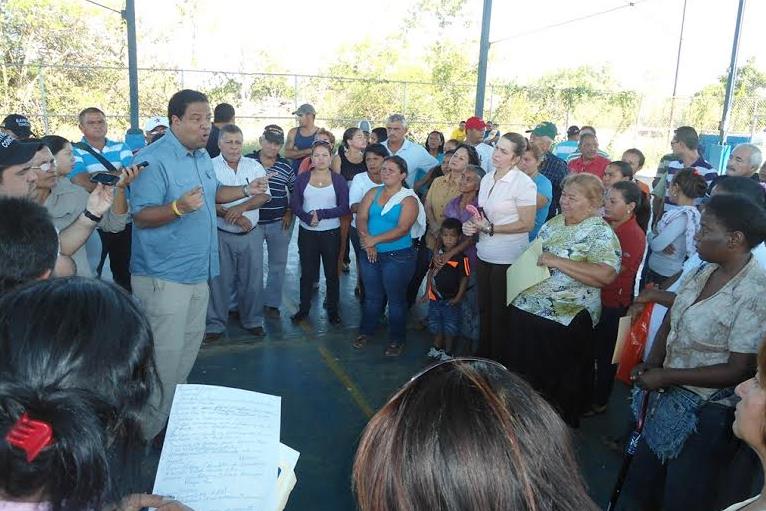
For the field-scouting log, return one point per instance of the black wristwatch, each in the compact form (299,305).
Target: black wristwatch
(91,216)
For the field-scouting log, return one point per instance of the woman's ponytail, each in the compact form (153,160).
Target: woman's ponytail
(72,471)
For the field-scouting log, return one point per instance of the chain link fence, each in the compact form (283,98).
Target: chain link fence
(52,96)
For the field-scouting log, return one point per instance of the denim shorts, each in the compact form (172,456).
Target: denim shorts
(444,318)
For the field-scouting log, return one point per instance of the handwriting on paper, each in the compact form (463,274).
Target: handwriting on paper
(221,449)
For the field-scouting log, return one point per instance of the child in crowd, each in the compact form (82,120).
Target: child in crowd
(672,239)
(445,288)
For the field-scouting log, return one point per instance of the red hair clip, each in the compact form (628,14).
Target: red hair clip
(30,435)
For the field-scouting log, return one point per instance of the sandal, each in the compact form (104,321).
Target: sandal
(360,342)
(394,350)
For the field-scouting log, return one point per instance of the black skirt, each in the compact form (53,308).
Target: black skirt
(556,360)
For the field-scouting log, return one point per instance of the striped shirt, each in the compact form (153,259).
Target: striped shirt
(280,185)
(704,168)
(117,153)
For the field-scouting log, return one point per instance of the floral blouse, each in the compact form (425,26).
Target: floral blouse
(707,332)
(560,298)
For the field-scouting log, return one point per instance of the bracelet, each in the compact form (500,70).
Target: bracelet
(92,216)
(491,230)
(174,207)
(246,191)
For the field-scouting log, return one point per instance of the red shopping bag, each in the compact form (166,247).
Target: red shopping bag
(634,344)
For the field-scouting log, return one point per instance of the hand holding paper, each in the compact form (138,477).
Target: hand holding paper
(222,450)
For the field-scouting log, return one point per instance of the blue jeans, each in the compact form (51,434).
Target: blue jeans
(388,277)
(443,318)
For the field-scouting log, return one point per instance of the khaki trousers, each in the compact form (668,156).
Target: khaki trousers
(176,314)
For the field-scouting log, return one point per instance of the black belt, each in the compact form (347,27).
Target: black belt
(235,233)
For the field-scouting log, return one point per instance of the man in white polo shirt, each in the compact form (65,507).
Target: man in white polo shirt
(417,158)
(240,241)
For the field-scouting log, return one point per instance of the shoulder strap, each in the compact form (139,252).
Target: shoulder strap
(100,157)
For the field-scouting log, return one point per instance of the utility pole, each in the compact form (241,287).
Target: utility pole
(134,136)
(678,65)
(129,15)
(730,82)
(481,81)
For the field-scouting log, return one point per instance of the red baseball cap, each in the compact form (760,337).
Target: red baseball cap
(475,123)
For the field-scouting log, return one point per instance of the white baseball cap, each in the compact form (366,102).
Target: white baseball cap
(153,122)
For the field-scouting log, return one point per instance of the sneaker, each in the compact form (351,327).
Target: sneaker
(444,356)
(299,316)
(434,353)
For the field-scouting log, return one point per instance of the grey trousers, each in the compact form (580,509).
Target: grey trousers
(176,314)
(242,272)
(277,243)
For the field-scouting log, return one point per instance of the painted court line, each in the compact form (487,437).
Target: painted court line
(347,382)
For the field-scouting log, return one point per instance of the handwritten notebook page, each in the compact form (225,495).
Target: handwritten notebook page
(221,449)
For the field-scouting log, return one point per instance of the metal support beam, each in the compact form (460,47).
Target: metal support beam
(724,126)
(129,15)
(481,81)
(675,79)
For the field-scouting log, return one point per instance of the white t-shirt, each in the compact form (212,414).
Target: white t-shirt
(314,198)
(360,185)
(500,201)
(247,171)
(485,156)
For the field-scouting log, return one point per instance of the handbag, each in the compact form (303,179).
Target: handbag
(634,345)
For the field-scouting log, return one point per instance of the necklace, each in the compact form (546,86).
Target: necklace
(321,179)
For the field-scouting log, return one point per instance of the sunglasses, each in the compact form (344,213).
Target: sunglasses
(320,143)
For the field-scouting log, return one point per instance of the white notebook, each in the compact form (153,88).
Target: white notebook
(222,451)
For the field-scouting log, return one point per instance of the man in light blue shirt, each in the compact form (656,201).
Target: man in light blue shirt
(418,160)
(564,149)
(86,162)
(175,242)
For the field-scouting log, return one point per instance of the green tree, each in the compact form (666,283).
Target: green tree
(55,33)
(706,105)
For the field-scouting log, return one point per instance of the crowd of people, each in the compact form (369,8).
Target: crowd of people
(183,222)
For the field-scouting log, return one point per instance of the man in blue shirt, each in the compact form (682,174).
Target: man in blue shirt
(175,242)
(94,127)
(418,160)
(570,145)
(276,219)
(555,169)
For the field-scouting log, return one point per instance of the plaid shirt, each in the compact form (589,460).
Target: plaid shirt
(555,169)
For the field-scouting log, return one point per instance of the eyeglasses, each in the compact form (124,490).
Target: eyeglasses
(320,142)
(46,167)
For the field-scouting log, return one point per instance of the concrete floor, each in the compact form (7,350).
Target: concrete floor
(329,391)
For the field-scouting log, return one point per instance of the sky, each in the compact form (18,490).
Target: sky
(639,43)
